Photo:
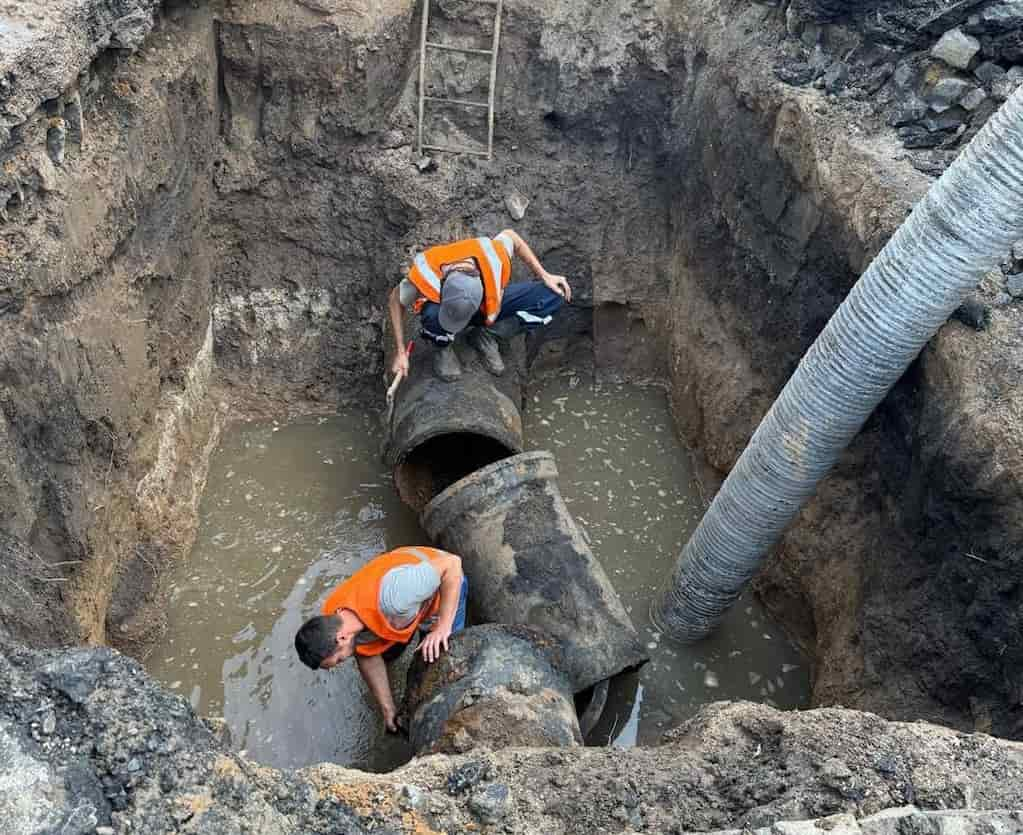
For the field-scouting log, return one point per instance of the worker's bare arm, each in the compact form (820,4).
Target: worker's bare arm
(374,671)
(394,309)
(449,567)
(558,283)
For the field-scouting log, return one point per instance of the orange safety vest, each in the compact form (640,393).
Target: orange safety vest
(495,271)
(360,593)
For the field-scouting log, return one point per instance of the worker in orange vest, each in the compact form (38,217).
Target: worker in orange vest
(375,613)
(465,283)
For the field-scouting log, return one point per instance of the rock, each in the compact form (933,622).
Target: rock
(956,48)
(75,674)
(835,773)
(1017,251)
(1002,88)
(911,110)
(491,803)
(946,93)
(1003,17)
(56,140)
(466,776)
(917,136)
(516,203)
(426,163)
(904,76)
(836,77)
(973,99)
(130,31)
(412,798)
(796,74)
(1014,285)
(392,139)
(988,72)
(819,60)
(49,723)
(948,122)
(973,314)
(1001,300)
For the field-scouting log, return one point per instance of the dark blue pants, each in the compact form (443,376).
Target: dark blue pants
(532,302)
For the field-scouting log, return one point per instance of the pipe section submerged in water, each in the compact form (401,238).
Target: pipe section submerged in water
(961,229)
(497,686)
(528,563)
(441,431)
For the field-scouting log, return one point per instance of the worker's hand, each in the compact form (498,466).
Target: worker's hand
(400,365)
(559,284)
(434,643)
(390,720)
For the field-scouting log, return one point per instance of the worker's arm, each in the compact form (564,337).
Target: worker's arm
(374,671)
(558,283)
(394,308)
(450,569)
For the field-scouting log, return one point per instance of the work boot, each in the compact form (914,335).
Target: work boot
(489,349)
(445,362)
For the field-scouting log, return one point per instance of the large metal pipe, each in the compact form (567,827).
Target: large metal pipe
(497,686)
(960,230)
(441,431)
(528,563)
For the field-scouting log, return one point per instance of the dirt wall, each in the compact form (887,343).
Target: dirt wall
(892,576)
(105,348)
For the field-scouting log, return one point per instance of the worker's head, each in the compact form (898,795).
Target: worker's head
(325,641)
(461,295)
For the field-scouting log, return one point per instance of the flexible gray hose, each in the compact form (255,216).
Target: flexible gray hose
(964,225)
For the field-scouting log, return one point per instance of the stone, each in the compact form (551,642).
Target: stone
(946,93)
(492,803)
(949,121)
(836,76)
(1001,299)
(1002,88)
(1003,17)
(988,72)
(130,31)
(516,203)
(1014,284)
(917,136)
(835,773)
(819,60)
(425,163)
(973,99)
(466,776)
(412,798)
(391,139)
(904,76)
(56,140)
(1017,250)
(796,74)
(956,48)
(973,314)
(911,110)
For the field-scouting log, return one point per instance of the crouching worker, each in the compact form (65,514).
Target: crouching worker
(375,613)
(464,284)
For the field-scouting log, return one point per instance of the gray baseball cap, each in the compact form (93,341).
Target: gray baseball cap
(460,297)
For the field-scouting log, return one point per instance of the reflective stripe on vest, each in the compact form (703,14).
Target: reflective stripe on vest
(360,593)
(426,272)
(492,294)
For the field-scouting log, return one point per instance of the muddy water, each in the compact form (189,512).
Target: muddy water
(288,512)
(632,487)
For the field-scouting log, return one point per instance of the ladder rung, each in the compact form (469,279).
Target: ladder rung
(462,102)
(456,149)
(466,49)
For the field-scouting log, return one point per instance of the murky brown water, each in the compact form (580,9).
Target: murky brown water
(289,511)
(631,485)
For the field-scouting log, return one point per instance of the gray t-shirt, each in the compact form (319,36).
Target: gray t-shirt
(403,592)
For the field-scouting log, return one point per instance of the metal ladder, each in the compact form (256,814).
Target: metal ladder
(424,45)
